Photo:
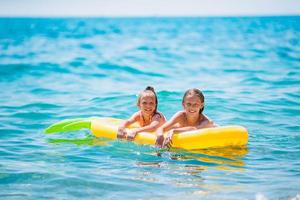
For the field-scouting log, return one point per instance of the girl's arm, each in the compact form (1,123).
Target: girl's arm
(167,126)
(183,129)
(167,142)
(206,123)
(151,127)
(130,121)
(121,129)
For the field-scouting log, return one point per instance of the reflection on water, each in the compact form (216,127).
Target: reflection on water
(192,165)
(203,170)
(232,156)
(180,168)
(89,140)
(229,158)
(199,172)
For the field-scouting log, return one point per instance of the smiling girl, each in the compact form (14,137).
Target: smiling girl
(148,117)
(190,118)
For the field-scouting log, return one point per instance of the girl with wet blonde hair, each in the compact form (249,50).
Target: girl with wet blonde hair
(190,118)
(147,117)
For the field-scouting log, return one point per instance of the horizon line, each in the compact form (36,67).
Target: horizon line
(152,16)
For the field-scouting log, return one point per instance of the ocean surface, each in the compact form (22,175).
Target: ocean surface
(62,68)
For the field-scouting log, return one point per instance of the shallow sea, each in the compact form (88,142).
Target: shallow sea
(60,68)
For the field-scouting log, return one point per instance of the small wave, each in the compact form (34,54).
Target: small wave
(166,93)
(87,46)
(76,63)
(43,91)
(32,115)
(131,70)
(111,98)
(14,195)
(14,71)
(39,105)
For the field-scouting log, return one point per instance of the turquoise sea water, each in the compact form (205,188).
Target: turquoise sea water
(55,69)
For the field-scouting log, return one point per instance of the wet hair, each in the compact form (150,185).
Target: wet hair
(196,92)
(148,89)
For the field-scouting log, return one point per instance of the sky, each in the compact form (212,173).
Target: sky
(128,8)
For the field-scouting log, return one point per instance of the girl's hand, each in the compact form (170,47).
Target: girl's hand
(131,134)
(121,133)
(168,141)
(159,141)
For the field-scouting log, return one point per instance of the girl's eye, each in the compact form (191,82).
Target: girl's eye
(188,104)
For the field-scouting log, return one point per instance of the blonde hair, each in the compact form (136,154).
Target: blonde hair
(148,89)
(196,92)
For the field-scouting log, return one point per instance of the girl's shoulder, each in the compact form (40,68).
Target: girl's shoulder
(137,114)
(205,118)
(206,122)
(180,115)
(159,115)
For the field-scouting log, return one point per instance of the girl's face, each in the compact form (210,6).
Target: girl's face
(192,104)
(147,104)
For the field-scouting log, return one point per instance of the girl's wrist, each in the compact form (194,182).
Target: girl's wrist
(121,127)
(136,130)
(159,134)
